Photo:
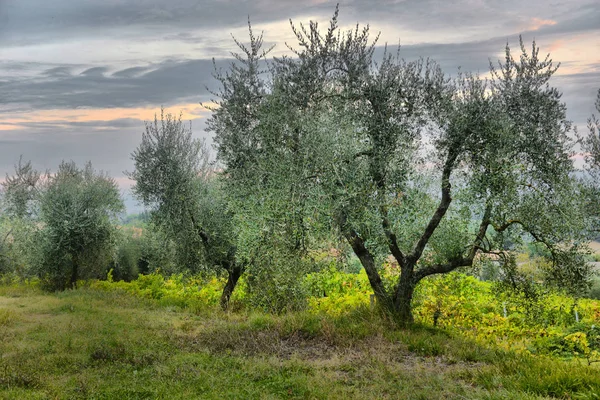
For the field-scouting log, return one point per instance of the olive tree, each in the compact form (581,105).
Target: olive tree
(174,179)
(20,190)
(77,221)
(19,205)
(269,143)
(357,136)
(590,145)
(591,142)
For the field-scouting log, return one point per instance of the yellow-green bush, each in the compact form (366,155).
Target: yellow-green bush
(193,293)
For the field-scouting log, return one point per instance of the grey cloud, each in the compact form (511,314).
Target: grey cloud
(95,71)
(579,19)
(165,83)
(58,71)
(11,66)
(174,81)
(25,22)
(130,72)
(75,126)
(108,149)
(185,37)
(488,17)
(31,21)
(471,56)
(579,93)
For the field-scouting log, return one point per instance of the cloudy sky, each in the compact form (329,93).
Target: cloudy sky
(79,77)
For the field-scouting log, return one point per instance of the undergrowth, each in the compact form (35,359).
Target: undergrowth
(551,324)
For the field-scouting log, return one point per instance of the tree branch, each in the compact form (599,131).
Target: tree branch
(439,212)
(198,228)
(511,222)
(460,261)
(7,235)
(485,222)
(392,239)
(366,258)
(506,225)
(443,268)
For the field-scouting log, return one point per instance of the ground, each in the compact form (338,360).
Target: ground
(109,345)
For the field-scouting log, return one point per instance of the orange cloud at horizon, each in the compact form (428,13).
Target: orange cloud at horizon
(9,127)
(65,116)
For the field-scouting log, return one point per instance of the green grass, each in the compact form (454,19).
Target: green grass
(91,344)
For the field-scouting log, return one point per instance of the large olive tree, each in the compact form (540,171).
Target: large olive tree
(331,129)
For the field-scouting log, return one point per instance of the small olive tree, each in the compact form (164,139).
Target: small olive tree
(174,178)
(20,190)
(268,142)
(76,239)
(590,145)
(591,142)
(19,203)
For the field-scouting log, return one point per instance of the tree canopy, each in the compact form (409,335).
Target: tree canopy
(174,178)
(78,210)
(399,158)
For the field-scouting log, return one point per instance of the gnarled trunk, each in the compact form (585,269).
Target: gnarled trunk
(235,272)
(403,298)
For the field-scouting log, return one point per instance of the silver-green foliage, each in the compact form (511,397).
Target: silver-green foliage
(591,143)
(401,159)
(270,148)
(174,178)
(20,191)
(76,238)
(168,162)
(16,242)
(591,181)
(18,210)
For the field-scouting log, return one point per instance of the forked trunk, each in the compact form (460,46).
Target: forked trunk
(234,275)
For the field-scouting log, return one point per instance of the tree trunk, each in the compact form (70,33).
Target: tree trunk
(234,275)
(403,297)
(74,273)
(368,262)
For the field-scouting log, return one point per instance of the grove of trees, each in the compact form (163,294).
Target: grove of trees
(334,146)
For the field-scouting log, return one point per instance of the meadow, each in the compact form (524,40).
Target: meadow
(167,338)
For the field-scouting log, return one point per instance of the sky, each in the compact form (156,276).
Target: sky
(78,78)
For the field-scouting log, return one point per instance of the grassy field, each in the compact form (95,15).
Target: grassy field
(108,345)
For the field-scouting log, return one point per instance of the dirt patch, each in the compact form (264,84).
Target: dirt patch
(253,343)
(270,342)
